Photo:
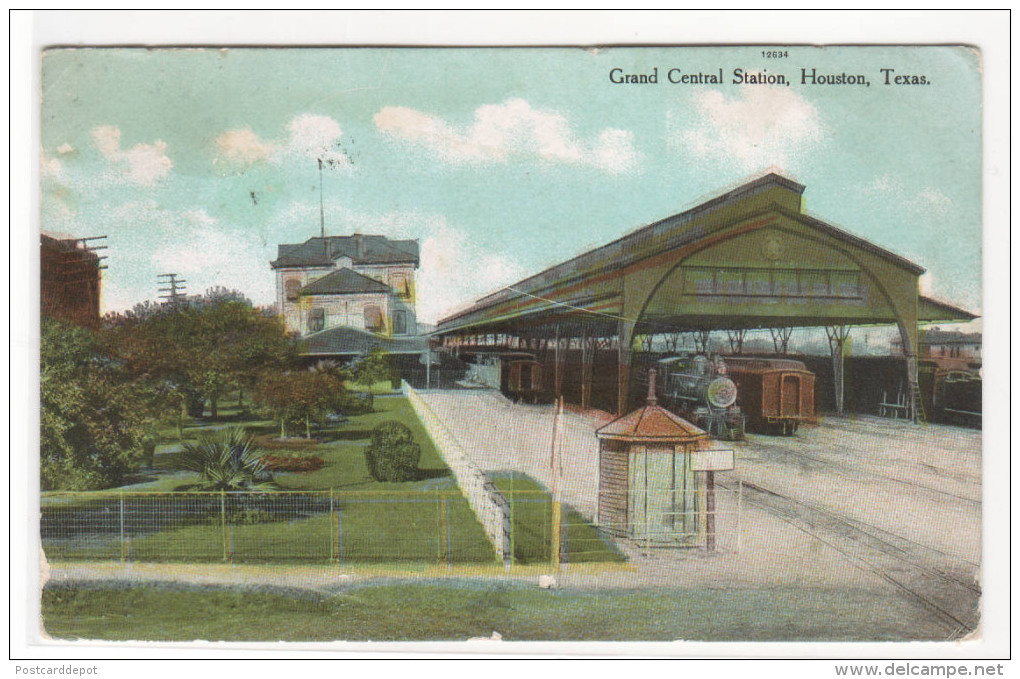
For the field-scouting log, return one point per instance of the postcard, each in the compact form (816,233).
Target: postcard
(521,344)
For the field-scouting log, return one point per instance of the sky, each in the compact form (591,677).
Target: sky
(500,161)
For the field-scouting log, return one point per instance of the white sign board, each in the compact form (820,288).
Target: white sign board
(711,460)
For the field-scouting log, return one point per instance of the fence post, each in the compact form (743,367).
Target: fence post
(555,521)
(510,512)
(340,534)
(123,543)
(223,521)
(332,545)
(449,534)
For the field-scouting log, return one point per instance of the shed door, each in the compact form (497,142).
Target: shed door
(791,396)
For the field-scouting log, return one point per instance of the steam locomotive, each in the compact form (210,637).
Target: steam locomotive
(726,396)
(698,388)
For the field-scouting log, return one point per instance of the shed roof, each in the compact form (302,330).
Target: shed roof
(344,282)
(651,423)
(348,341)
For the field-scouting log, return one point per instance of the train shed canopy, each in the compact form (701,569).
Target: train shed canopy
(750,258)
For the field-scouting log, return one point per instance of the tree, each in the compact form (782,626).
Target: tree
(229,460)
(94,415)
(202,351)
(376,366)
(393,454)
(297,397)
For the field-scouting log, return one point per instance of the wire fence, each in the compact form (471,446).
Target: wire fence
(489,505)
(309,527)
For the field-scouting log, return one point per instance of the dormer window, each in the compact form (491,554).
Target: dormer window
(400,285)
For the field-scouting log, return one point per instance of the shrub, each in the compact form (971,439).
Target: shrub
(357,403)
(227,461)
(393,454)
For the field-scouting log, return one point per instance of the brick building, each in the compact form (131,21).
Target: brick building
(70,278)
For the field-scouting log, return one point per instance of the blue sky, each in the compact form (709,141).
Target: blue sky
(501,162)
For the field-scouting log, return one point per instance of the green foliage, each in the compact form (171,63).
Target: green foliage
(94,416)
(202,350)
(227,461)
(357,403)
(393,453)
(377,366)
(299,397)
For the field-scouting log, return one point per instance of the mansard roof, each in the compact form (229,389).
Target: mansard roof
(359,248)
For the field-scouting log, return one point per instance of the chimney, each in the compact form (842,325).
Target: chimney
(652,400)
(359,244)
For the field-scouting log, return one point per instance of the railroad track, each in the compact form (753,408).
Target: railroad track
(856,470)
(944,584)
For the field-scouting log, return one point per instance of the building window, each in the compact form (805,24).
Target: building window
(316,320)
(373,318)
(399,322)
(400,285)
(291,288)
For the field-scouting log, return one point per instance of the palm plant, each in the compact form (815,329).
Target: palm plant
(228,461)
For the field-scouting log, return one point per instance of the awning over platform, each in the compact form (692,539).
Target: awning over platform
(347,341)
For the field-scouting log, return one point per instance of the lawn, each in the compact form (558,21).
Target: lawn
(338,512)
(461,609)
(531,526)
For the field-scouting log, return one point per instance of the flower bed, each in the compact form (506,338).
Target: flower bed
(279,463)
(270,442)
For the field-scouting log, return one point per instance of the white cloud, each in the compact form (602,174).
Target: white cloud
(307,136)
(513,129)
(142,164)
(927,202)
(243,147)
(207,253)
(51,168)
(65,148)
(933,202)
(755,128)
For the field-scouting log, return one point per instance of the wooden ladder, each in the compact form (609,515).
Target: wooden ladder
(917,404)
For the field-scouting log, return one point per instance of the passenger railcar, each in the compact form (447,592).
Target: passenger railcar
(776,394)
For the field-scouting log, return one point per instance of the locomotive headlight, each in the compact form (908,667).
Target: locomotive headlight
(721,392)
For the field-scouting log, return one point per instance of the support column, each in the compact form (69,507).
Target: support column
(915,407)
(625,332)
(838,335)
(587,361)
(701,338)
(736,338)
(781,339)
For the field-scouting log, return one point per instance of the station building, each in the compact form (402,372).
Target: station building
(359,282)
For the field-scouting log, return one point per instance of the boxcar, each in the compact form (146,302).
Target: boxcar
(776,394)
(955,389)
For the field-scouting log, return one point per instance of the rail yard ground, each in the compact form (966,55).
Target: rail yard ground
(849,502)
(852,529)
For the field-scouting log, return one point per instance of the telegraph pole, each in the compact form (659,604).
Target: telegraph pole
(174,290)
